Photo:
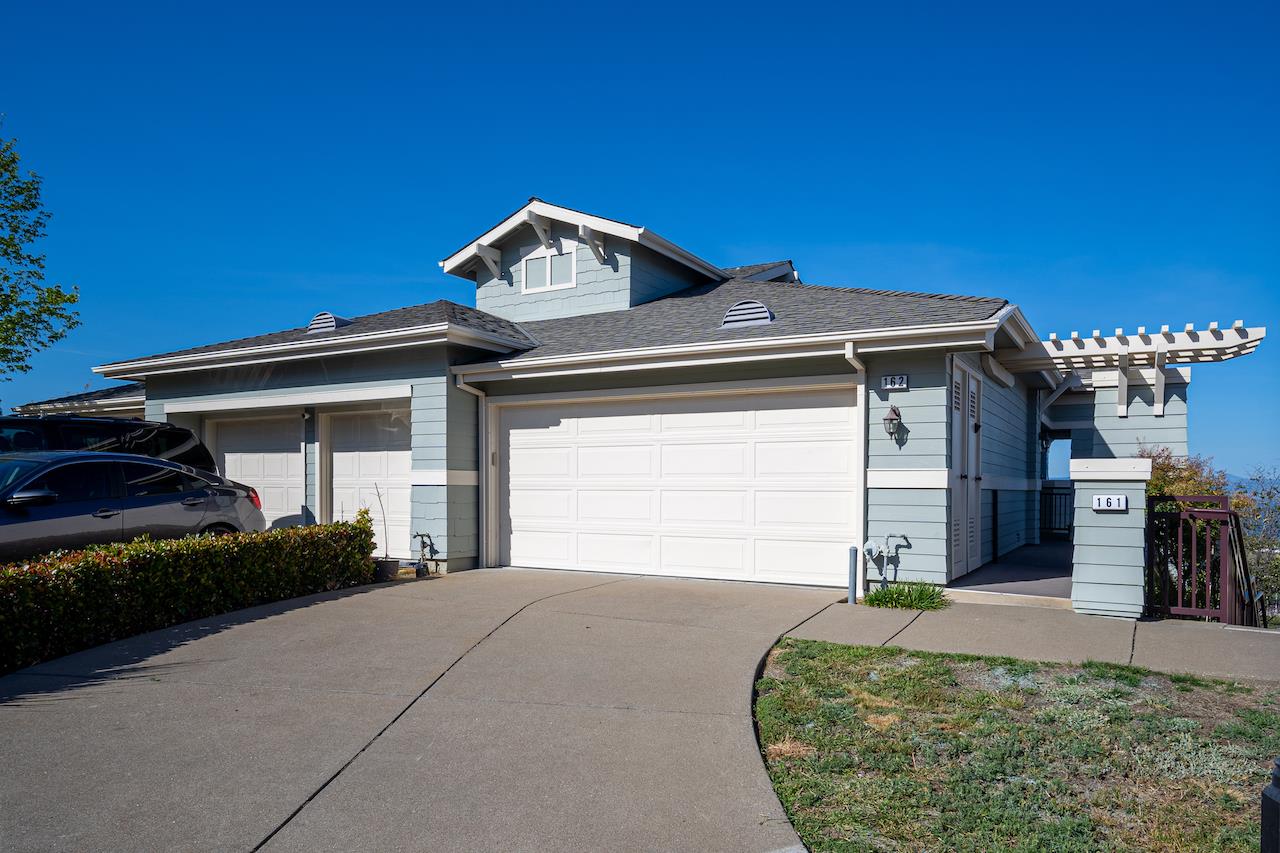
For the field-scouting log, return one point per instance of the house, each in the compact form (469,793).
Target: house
(614,402)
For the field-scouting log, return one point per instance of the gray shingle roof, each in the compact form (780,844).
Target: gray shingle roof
(693,316)
(440,311)
(128,389)
(751,269)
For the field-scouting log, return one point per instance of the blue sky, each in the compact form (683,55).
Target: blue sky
(215,174)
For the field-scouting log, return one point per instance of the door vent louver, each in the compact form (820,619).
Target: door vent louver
(748,312)
(326,322)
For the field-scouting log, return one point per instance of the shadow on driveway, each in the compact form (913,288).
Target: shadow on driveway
(127,658)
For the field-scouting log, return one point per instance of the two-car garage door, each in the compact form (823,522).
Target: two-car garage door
(750,487)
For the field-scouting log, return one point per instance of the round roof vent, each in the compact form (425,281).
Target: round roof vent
(748,312)
(326,322)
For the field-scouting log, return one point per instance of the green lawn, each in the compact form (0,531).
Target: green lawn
(888,749)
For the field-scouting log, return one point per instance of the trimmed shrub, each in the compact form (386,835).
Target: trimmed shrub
(908,596)
(70,600)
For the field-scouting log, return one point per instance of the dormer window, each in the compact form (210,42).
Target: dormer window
(549,268)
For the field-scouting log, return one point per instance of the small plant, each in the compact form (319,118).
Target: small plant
(908,596)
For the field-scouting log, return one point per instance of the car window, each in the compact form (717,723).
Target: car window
(144,480)
(91,436)
(78,481)
(21,438)
(13,470)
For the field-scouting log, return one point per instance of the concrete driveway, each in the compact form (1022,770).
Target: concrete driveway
(489,710)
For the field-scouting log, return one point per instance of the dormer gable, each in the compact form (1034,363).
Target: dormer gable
(546,261)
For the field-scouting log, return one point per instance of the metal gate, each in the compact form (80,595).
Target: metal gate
(1196,560)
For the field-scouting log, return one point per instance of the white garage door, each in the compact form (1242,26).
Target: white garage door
(266,453)
(372,457)
(750,487)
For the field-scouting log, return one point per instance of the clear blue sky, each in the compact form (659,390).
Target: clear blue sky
(231,171)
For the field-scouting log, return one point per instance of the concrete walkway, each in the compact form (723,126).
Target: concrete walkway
(490,710)
(1197,648)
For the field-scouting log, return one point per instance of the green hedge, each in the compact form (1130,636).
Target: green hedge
(70,600)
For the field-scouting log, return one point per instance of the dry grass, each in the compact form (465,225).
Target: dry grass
(881,749)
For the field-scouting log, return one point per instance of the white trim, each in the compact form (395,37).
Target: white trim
(1137,470)
(237,402)
(567,248)
(972,334)
(996,372)
(697,389)
(463,261)
(434,333)
(1097,351)
(440,477)
(907,478)
(494,404)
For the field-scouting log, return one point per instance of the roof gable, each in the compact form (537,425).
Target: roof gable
(592,229)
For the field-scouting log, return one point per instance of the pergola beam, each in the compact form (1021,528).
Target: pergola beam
(1099,352)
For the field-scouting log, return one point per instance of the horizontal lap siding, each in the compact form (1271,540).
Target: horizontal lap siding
(1108,551)
(600,287)
(1110,436)
(919,514)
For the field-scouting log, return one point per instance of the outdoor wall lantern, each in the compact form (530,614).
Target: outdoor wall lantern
(892,421)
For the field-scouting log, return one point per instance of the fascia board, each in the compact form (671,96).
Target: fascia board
(295,350)
(937,335)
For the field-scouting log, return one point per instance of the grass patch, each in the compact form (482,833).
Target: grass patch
(908,596)
(875,749)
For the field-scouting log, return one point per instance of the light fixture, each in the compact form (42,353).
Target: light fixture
(892,421)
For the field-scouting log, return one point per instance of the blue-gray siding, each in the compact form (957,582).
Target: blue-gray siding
(918,514)
(1110,436)
(1108,551)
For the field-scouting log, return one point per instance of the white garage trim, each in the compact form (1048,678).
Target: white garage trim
(492,532)
(234,402)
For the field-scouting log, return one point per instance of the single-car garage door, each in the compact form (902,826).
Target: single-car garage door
(370,468)
(751,487)
(265,453)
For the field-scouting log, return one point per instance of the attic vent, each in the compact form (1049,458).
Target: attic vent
(326,322)
(748,312)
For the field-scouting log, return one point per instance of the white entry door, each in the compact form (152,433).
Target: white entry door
(966,472)
(266,453)
(749,487)
(370,464)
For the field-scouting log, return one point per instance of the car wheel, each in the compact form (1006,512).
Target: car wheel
(218,530)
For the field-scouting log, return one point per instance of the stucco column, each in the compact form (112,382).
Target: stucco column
(1108,555)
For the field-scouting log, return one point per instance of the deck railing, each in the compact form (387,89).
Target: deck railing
(1196,563)
(1057,512)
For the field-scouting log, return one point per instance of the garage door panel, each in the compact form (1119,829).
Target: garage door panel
(616,461)
(616,506)
(711,422)
(700,460)
(539,462)
(703,555)
(549,548)
(824,458)
(789,559)
(831,509)
(756,487)
(544,504)
(616,550)
(704,507)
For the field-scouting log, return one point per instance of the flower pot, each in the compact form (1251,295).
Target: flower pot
(386,569)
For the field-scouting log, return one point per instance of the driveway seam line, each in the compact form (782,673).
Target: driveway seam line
(1133,642)
(327,782)
(895,634)
(811,617)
